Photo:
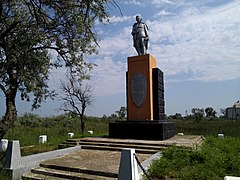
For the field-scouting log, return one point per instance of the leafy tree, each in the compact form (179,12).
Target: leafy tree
(29,119)
(32,30)
(122,113)
(223,112)
(176,116)
(77,98)
(210,112)
(104,117)
(113,117)
(198,114)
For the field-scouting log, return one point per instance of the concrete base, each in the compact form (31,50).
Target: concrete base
(144,130)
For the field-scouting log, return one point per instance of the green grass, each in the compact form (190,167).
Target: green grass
(214,160)
(56,133)
(207,127)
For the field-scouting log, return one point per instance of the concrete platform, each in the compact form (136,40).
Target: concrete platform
(97,161)
(102,162)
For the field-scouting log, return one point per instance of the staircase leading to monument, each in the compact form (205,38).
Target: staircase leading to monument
(99,158)
(144,147)
(97,146)
(53,172)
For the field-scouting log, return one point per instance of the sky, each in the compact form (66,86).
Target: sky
(196,44)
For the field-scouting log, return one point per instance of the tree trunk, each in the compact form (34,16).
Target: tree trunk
(10,115)
(82,124)
(81,117)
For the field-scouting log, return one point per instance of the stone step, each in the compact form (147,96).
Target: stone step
(44,173)
(109,148)
(68,144)
(121,141)
(114,144)
(73,140)
(75,170)
(33,176)
(122,145)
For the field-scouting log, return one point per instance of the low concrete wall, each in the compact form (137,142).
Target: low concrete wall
(15,165)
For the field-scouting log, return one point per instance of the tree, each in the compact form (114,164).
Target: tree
(122,113)
(176,116)
(77,98)
(32,30)
(198,114)
(223,112)
(210,112)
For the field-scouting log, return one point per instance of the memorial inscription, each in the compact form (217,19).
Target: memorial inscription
(138,89)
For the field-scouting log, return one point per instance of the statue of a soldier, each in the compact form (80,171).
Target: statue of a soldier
(140,36)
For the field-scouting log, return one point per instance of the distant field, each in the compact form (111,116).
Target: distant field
(207,127)
(28,128)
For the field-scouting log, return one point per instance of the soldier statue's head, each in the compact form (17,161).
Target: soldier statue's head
(138,18)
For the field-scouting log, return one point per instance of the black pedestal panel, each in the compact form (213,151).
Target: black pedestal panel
(158,94)
(144,130)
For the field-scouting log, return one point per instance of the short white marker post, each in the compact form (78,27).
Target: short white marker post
(220,135)
(90,132)
(3,145)
(42,139)
(70,135)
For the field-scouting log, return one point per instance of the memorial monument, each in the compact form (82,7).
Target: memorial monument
(145,94)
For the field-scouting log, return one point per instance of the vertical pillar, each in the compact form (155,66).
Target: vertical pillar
(13,155)
(128,169)
(140,88)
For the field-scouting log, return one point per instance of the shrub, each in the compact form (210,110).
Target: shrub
(214,160)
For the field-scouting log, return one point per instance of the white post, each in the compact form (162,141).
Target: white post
(231,178)
(70,135)
(90,132)
(42,139)
(3,145)
(13,155)
(128,169)
(221,135)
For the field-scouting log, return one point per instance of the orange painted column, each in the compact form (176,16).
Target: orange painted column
(139,87)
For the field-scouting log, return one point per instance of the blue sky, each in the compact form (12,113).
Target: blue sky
(196,44)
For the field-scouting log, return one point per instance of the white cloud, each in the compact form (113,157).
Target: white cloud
(163,13)
(109,77)
(203,46)
(208,44)
(117,44)
(134,2)
(117,19)
(162,2)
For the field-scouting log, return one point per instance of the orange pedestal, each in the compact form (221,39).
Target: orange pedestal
(139,87)
(145,103)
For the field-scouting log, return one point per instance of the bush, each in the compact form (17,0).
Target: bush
(29,120)
(215,159)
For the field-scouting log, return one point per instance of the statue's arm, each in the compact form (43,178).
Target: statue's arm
(146,30)
(134,30)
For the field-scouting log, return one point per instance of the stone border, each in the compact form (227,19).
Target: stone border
(16,165)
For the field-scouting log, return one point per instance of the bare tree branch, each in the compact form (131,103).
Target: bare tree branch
(76,98)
